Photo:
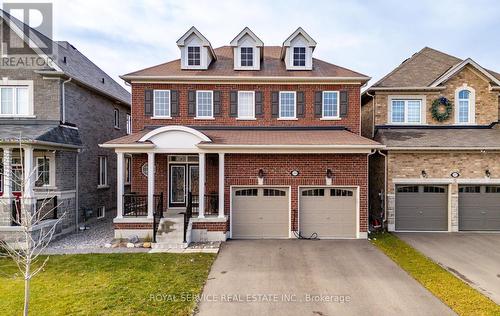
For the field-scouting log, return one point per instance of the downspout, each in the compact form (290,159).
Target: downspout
(63,110)
(368,189)
(373,115)
(77,188)
(385,184)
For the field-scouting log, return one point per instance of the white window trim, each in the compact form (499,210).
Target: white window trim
(253,57)
(211,117)
(129,123)
(472,105)
(292,56)
(127,157)
(26,83)
(103,208)
(291,118)
(251,117)
(323,116)
(52,168)
(187,56)
(99,184)
(116,118)
(423,108)
(169,105)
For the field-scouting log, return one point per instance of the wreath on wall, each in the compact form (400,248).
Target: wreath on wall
(441,109)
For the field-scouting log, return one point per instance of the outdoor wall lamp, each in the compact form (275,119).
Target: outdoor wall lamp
(424,174)
(487,173)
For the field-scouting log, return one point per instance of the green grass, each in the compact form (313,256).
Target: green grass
(455,293)
(108,284)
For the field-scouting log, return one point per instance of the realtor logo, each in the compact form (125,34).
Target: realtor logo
(26,27)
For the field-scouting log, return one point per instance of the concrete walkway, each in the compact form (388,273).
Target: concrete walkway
(473,257)
(301,277)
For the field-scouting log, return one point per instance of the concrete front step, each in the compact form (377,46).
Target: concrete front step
(170,234)
(166,245)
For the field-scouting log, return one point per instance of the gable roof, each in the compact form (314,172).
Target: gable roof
(423,69)
(247,30)
(77,65)
(272,68)
(455,69)
(299,31)
(205,42)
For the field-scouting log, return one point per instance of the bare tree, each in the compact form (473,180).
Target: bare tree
(36,233)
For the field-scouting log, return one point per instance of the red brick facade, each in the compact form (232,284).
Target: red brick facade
(352,121)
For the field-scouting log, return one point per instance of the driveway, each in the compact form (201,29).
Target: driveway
(307,277)
(473,257)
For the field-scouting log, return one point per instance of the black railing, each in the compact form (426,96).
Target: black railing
(211,204)
(135,205)
(158,214)
(188,214)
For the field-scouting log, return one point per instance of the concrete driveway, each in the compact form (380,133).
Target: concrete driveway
(473,257)
(301,277)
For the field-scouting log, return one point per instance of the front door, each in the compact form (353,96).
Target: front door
(183,179)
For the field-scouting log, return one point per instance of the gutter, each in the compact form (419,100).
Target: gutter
(246,78)
(77,187)
(407,88)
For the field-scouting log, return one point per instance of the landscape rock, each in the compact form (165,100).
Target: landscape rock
(146,245)
(130,245)
(133,239)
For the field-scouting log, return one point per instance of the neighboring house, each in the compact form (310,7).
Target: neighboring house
(263,140)
(60,112)
(443,167)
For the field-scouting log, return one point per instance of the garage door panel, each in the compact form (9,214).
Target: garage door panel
(420,208)
(479,207)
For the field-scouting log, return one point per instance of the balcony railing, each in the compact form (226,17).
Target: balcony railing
(136,205)
(211,204)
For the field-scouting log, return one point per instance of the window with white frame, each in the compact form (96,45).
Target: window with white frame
(287,104)
(246,104)
(299,56)
(14,100)
(161,103)
(16,174)
(42,171)
(129,124)
(464,106)
(204,104)
(117,118)
(103,171)
(194,55)
(246,56)
(406,111)
(330,104)
(101,212)
(128,169)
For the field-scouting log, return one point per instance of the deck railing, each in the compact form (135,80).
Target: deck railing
(136,205)
(211,204)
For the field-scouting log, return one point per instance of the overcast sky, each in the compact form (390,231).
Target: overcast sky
(371,37)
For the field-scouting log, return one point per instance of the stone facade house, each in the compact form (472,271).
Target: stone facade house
(438,117)
(252,141)
(53,115)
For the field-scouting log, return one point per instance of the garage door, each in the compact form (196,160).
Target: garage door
(479,207)
(422,207)
(330,213)
(260,213)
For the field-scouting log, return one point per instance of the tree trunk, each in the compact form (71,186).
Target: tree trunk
(27,291)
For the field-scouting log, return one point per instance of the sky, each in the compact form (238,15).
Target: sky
(371,37)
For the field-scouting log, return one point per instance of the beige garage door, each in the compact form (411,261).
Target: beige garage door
(328,212)
(260,213)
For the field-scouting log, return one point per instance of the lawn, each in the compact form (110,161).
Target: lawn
(109,284)
(455,293)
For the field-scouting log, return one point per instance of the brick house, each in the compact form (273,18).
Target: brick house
(442,168)
(60,109)
(254,140)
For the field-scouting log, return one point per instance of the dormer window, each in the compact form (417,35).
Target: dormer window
(194,55)
(246,56)
(299,56)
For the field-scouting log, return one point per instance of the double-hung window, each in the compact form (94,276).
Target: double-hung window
(406,111)
(43,171)
(299,56)
(287,105)
(14,100)
(194,55)
(161,103)
(129,124)
(246,104)
(204,104)
(464,103)
(246,55)
(330,104)
(103,171)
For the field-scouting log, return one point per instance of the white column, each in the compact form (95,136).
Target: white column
(221,185)
(201,186)
(151,184)
(7,173)
(120,169)
(30,173)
